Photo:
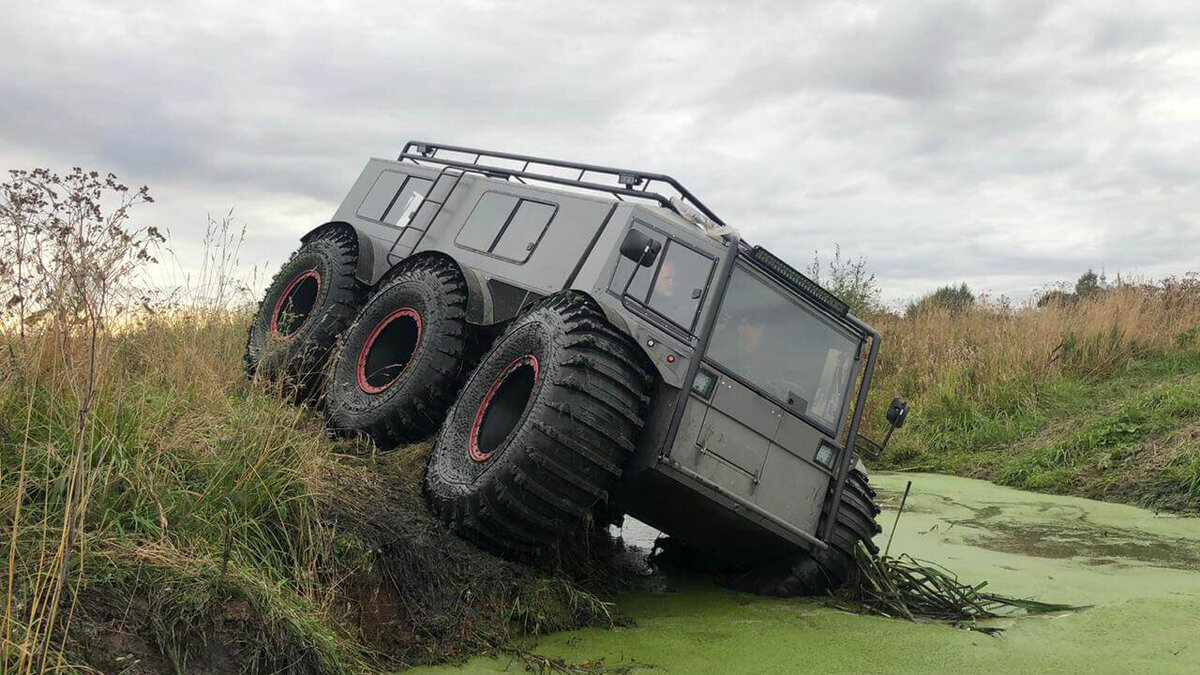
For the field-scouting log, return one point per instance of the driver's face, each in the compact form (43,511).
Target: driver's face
(666,280)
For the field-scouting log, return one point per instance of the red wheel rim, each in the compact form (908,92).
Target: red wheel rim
(291,288)
(482,454)
(408,348)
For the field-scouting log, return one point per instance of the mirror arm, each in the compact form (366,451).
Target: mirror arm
(886,438)
(636,268)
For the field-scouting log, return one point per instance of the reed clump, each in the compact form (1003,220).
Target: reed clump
(916,590)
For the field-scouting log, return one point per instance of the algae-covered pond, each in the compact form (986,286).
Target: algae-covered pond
(1139,571)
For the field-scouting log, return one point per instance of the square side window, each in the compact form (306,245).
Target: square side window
(506,226)
(486,220)
(673,286)
(379,197)
(406,203)
(680,284)
(524,229)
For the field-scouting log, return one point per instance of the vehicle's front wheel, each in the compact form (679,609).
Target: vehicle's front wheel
(541,430)
(308,304)
(818,572)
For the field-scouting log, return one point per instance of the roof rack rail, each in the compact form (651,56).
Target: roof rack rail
(629,183)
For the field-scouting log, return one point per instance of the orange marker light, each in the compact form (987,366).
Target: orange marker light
(670,358)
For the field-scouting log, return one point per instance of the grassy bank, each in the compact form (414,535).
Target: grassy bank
(185,518)
(1096,396)
(160,513)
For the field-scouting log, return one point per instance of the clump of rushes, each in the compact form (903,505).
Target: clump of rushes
(917,590)
(158,513)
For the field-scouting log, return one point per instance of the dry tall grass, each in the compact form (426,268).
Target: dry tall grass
(1097,377)
(972,351)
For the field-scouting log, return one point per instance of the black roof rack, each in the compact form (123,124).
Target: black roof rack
(629,183)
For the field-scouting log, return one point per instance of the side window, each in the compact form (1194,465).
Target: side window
(506,226)
(673,287)
(407,200)
(393,198)
(682,277)
(377,201)
(523,231)
(486,221)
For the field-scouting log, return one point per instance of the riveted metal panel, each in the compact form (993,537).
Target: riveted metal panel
(798,437)
(792,489)
(733,442)
(746,406)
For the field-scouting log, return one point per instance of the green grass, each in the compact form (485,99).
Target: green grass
(1131,435)
(200,517)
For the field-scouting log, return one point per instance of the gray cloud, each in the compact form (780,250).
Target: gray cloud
(1006,144)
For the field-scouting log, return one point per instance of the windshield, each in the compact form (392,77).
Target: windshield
(777,344)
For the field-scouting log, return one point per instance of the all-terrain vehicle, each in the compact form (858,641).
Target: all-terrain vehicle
(586,342)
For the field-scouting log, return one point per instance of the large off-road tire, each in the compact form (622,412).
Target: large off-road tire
(819,572)
(398,367)
(308,304)
(541,430)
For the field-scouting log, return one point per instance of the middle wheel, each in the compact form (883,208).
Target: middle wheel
(399,365)
(542,429)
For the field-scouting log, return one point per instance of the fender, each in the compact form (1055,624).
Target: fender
(365,266)
(479,301)
(610,314)
(614,317)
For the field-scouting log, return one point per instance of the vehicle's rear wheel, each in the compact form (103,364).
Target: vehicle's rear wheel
(541,430)
(818,572)
(397,369)
(308,304)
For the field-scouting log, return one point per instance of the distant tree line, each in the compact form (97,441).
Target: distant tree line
(1088,285)
(850,280)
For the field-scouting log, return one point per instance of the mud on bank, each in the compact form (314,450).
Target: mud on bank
(401,591)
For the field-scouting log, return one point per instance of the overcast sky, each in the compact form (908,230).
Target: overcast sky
(1006,144)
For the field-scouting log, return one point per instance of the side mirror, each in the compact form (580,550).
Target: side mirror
(897,412)
(640,248)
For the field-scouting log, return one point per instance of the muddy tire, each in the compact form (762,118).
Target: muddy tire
(397,368)
(307,306)
(820,572)
(541,430)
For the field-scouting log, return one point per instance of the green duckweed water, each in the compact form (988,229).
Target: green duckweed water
(1139,571)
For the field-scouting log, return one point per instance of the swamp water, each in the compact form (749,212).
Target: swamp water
(1139,571)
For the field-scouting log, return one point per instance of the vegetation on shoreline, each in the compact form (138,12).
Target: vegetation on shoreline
(1095,394)
(1090,390)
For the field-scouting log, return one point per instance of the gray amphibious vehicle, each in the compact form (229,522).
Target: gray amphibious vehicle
(585,342)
